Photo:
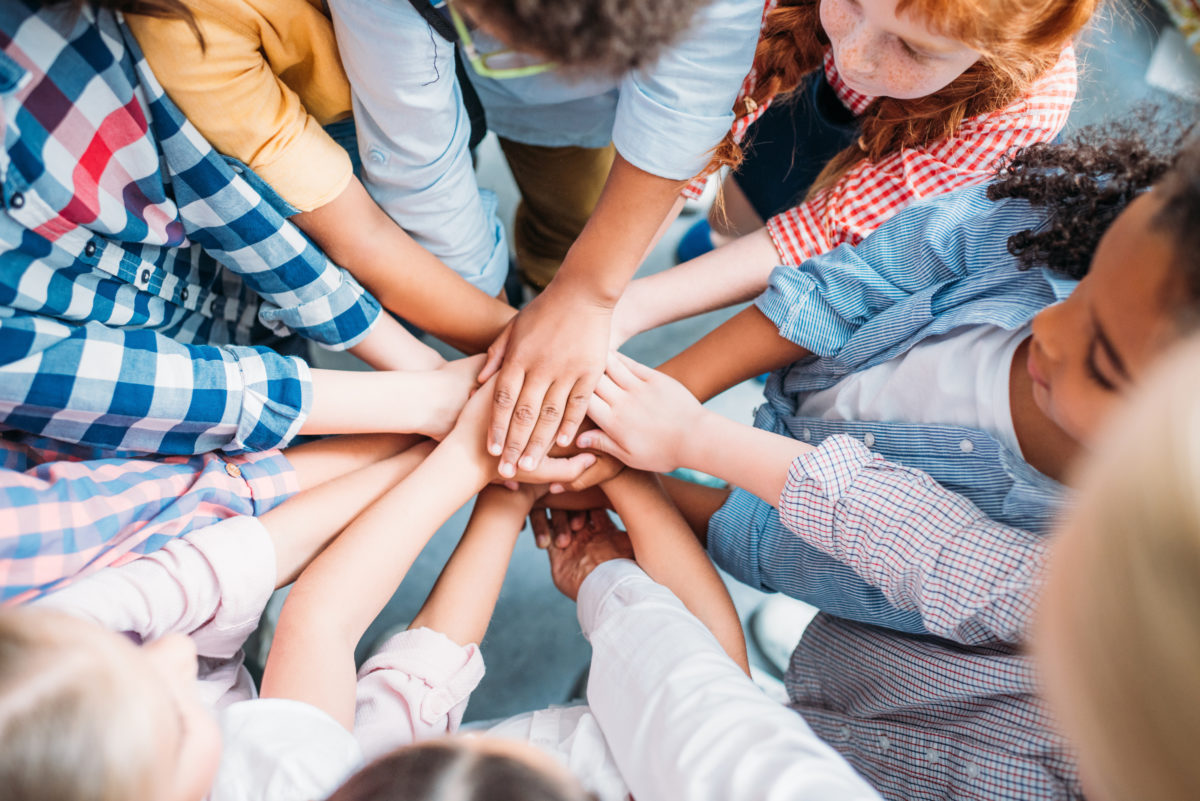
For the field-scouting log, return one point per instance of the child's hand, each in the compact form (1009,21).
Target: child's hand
(469,434)
(646,417)
(600,541)
(449,387)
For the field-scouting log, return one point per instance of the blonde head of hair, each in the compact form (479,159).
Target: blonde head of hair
(1122,609)
(70,729)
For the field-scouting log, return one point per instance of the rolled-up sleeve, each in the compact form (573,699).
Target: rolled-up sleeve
(671,114)
(820,304)
(141,391)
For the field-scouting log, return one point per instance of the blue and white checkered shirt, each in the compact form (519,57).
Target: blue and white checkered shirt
(857,307)
(141,273)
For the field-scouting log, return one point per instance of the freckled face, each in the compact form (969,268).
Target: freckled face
(880,54)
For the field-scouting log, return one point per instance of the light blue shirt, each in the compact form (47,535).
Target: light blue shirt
(664,118)
(936,266)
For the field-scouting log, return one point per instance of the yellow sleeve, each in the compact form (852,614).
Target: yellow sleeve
(228,91)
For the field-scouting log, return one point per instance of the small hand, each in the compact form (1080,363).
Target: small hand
(547,362)
(645,416)
(468,433)
(598,542)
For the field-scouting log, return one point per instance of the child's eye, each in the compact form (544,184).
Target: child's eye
(1094,370)
(914,54)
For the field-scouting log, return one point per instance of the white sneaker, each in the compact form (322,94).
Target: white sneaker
(776,627)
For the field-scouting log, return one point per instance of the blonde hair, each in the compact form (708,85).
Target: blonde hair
(69,729)
(1134,619)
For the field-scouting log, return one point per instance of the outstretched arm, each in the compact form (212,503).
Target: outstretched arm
(666,549)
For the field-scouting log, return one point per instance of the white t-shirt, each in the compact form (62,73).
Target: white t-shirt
(959,378)
(275,749)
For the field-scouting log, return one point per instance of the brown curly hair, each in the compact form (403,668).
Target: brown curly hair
(1018,40)
(609,36)
(1085,182)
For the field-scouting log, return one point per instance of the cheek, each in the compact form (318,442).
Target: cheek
(1077,405)
(836,21)
(906,79)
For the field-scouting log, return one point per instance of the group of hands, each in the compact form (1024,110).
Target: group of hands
(561,453)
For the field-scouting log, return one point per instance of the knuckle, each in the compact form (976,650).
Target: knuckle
(524,414)
(550,411)
(505,397)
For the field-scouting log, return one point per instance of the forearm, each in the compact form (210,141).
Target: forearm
(322,460)
(745,346)
(667,550)
(301,527)
(464,597)
(755,460)
(626,222)
(390,347)
(403,276)
(352,402)
(735,273)
(312,656)
(696,502)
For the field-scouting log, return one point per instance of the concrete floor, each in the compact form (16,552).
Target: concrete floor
(534,651)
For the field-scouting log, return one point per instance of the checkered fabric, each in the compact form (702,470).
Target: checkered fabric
(69,510)
(142,274)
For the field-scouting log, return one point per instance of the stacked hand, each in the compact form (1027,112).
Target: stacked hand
(596,543)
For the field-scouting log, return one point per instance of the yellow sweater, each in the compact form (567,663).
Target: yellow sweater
(266,80)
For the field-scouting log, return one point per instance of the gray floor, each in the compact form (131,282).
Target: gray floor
(534,650)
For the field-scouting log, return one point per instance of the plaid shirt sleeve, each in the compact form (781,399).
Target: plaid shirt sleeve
(873,191)
(928,549)
(137,390)
(67,511)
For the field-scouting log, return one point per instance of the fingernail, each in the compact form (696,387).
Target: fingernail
(507,470)
(589,459)
(564,440)
(512,485)
(494,448)
(543,542)
(585,442)
(555,489)
(527,463)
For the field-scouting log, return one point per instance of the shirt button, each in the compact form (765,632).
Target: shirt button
(806,434)
(966,446)
(238,169)
(869,439)
(183,294)
(145,276)
(17,200)
(845,732)
(932,756)
(884,743)
(971,769)
(233,470)
(89,249)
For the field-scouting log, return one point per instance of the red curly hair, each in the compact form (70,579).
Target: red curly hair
(1018,40)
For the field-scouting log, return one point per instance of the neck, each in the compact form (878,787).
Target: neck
(1043,444)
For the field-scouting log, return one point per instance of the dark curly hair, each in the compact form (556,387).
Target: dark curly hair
(609,36)
(1085,182)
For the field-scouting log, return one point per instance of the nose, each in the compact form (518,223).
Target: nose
(1047,328)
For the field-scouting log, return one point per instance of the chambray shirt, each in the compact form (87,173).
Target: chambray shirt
(664,118)
(141,273)
(934,267)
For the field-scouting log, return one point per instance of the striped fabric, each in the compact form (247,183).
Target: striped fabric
(69,510)
(141,274)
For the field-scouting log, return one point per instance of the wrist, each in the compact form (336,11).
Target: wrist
(591,286)
(696,450)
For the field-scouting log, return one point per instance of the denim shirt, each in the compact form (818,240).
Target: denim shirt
(936,266)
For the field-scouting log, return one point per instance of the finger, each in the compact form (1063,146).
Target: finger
(558,470)
(541,528)
(577,520)
(495,356)
(504,398)
(601,413)
(560,523)
(549,417)
(635,367)
(576,411)
(597,440)
(619,371)
(607,390)
(524,417)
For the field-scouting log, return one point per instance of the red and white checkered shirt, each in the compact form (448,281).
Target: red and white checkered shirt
(873,191)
